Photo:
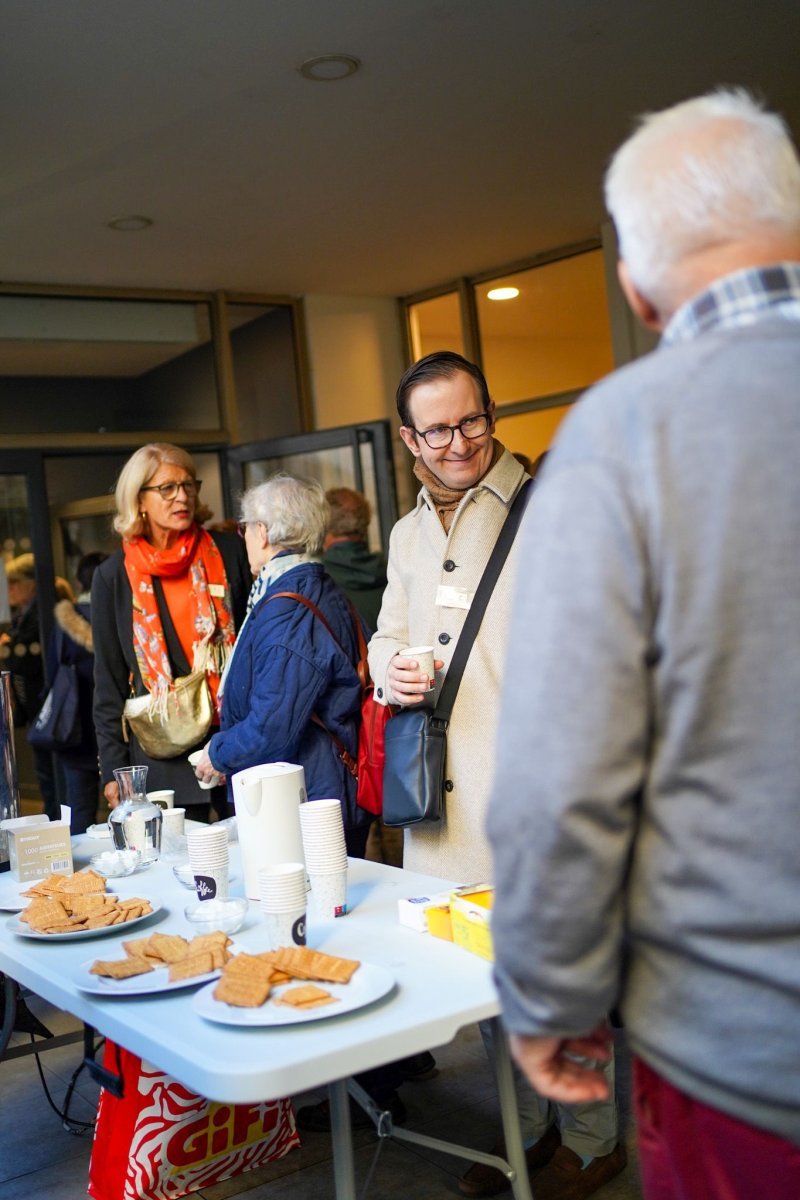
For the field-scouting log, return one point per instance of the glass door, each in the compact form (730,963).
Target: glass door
(26,604)
(354,456)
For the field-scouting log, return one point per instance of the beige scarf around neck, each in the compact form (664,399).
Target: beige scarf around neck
(446,500)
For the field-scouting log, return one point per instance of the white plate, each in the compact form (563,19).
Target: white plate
(369,983)
(14,925)
(11,899)
(136,985)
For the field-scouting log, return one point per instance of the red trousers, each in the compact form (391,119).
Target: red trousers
(688,1151)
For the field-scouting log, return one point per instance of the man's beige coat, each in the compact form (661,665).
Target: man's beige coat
(432,578)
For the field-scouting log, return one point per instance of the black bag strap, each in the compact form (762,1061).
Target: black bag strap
(177,655)
(480,600)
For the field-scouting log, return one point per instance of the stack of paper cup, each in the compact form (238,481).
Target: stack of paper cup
(282,892)
(208,858)
(173,839)
(326,856)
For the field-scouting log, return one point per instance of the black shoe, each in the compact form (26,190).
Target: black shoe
(316,1118)
(482,1180)
(417,1067)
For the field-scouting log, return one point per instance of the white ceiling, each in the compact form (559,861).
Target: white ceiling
(474,135)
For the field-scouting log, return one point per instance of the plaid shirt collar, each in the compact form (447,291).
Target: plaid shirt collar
(742,298)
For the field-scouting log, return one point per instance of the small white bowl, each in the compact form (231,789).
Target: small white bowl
(115,863)
(209,915)
(183,874)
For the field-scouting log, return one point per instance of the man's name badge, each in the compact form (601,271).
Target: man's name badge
(453,597)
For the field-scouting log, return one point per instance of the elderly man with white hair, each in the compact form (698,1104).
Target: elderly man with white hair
(645,813)
(291,692)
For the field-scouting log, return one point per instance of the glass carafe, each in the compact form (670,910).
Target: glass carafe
(135,823)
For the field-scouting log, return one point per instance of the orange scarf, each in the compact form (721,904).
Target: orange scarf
(205,624)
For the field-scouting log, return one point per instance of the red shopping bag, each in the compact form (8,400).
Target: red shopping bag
(160,1140)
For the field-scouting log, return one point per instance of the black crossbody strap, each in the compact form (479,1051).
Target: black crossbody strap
(480,600)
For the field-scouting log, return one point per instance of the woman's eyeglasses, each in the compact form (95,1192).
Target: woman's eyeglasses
(168,491)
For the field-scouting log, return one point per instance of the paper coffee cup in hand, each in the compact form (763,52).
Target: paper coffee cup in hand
(215,780)
(424,657)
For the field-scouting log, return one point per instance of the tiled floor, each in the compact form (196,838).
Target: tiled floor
(39,1160)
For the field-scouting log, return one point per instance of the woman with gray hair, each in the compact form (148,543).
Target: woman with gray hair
(291,691)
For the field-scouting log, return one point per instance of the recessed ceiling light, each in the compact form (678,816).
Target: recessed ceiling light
(327,68)
(130,224)
(506,293)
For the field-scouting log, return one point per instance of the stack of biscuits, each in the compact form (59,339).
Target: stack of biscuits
(248,979)
(185,959)
(71,903)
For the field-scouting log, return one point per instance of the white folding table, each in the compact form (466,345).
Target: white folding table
(439,989)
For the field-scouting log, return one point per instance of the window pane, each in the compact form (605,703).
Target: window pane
(262,347)
(435,325)
(79,365)
(530,433)
(553,337)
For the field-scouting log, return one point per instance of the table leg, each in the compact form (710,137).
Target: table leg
(9,1011)
(342,1138)
(515,1153)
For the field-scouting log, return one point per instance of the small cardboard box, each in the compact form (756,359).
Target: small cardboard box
(439,921)
(471,914)
(38,847)
(412,909)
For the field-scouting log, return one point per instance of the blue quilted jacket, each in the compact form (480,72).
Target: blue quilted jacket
(285,668)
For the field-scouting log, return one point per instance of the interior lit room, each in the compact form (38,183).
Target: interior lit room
(232,225)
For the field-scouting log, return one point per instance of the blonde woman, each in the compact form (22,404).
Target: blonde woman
(167,603)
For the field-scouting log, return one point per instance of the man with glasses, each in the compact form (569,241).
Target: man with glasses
(437,555)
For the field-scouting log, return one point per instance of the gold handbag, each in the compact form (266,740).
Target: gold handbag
(183,723)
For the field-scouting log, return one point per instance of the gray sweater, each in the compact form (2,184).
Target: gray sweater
(645,813)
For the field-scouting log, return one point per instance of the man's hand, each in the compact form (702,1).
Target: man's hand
(111,793)
(407,682)
(557,1068)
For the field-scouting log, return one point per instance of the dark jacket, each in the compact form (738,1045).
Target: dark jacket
(115,660)
(72,643)
(361,574)
(26,663)
(286,667)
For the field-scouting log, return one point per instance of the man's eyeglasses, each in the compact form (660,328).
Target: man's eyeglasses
(440,436)
(168,491)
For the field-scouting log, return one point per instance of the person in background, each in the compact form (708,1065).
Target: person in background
(72,644)
(362,575)
(437,555)
(646,803)
(346,554)
(166,604)
(21,650)
(287,667)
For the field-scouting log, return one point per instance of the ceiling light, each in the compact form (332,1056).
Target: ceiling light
(327,68)
(130,224)
(504,293)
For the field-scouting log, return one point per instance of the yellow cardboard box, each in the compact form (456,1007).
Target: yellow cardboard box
(439,922)
(471,914)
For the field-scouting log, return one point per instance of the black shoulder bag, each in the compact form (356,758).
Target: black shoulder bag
(416,737)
